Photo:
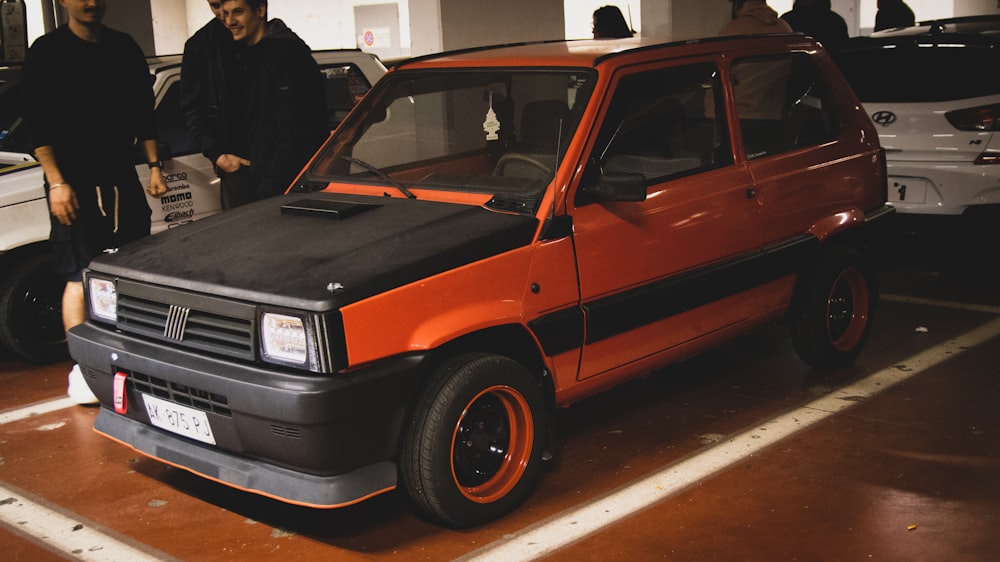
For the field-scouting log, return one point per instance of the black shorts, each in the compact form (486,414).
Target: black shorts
(102,223)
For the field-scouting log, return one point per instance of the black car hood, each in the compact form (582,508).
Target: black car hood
(318,251)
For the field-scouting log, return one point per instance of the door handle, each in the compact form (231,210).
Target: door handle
(751,193)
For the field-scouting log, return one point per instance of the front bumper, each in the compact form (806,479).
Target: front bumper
(319,440)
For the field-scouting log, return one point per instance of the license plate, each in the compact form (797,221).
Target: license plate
(179,419)
(907,190)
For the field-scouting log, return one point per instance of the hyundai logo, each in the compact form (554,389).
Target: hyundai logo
(884,118)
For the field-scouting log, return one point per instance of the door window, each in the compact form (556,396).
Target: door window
(663,124)
(782,103)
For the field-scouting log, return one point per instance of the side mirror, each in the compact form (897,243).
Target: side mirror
(619,186)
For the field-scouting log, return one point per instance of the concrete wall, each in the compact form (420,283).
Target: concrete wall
(134,17)
(428,26)
(471,23)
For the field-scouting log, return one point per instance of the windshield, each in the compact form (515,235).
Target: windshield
(481,131)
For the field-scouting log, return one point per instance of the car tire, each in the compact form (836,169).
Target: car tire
(832,311)
(474,447)
(31,312)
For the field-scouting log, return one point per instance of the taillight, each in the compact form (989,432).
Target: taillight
(988,157)
(983,118)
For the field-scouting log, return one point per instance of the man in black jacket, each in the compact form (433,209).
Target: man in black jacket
(212,99)
(892,14)
(817,19)
(286,118)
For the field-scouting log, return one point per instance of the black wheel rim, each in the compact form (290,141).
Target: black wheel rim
(37,313)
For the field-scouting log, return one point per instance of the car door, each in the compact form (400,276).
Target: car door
(806,149)
(656,273)
(192,186)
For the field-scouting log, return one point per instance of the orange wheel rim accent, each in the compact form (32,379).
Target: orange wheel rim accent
(847,309)
(491,444)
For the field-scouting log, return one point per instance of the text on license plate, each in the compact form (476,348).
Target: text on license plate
(178,419)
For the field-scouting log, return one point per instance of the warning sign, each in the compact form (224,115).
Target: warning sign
(375,38)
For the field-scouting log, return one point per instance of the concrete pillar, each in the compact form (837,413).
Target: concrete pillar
(135,18)
(444,25)
(678,20)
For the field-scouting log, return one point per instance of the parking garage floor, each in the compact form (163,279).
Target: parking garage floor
(742,453)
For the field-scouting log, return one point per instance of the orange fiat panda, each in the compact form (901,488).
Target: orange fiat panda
(492,234)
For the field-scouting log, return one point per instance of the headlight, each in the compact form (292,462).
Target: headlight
(284,338)
(103,299)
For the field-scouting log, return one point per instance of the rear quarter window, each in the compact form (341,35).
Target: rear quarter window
(921,72)
(345,85)
(784,102)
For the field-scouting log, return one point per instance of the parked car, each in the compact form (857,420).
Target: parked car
(30,292)
(935,101)
(492,234)
(986,24)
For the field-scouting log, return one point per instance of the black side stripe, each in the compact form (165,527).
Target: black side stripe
(563,330)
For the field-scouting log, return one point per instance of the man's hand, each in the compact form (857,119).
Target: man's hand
(229,163)
(157,187)
(63,203)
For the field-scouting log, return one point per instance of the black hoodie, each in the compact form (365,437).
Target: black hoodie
(286,105)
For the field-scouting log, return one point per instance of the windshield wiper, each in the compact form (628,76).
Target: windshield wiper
(385,177)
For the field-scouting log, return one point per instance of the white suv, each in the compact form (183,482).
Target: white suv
(30,291)
(934,96)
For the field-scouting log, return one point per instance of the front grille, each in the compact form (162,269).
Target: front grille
(191,321)
(181,394)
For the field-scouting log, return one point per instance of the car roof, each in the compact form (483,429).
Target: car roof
(948,39)
(591,52)
(986,24)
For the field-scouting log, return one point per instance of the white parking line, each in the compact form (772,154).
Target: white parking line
(35,410)
(939,303)
(570,526)
(66,533)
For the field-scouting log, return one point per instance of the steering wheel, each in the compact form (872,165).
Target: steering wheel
(518,157)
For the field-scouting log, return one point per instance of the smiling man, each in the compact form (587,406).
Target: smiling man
(286,118)
(209,76)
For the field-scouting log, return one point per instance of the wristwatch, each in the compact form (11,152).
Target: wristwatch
(155,164)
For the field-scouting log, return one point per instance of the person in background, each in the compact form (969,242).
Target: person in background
(753,17)
(893,13)
(87,98)
(286,117)
(816,18)
(215,117)
(609,23)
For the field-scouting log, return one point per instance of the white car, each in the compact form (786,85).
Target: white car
(934,96)
(30,291)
